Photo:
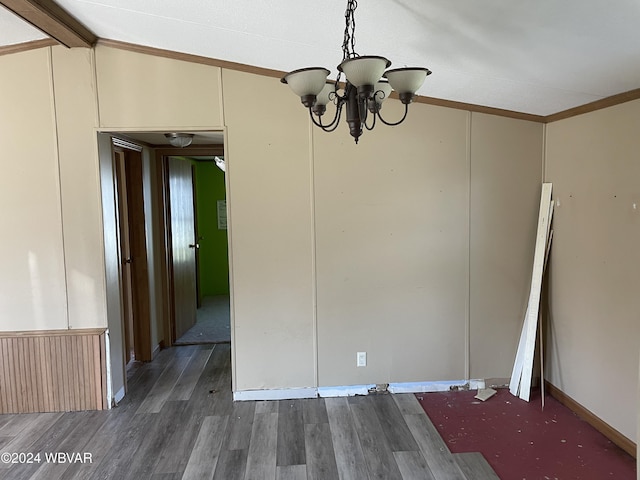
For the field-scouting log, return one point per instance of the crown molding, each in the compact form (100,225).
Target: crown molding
(594,106)
(478,108)
(25,46)
(186,57)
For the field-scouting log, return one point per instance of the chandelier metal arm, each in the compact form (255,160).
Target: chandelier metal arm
(393,124)
(373,124)
(327,127)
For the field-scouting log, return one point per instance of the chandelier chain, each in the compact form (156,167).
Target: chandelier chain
(349,43)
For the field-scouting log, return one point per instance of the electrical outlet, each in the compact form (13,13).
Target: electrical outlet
(361,360)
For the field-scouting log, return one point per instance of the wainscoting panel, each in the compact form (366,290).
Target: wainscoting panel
(52,371)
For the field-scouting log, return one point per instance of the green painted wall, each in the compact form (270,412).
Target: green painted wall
(214,264)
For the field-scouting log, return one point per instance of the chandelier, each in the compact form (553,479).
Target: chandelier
(366,86)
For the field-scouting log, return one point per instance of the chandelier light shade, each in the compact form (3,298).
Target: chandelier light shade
(365,88)
(361,71)
(307,82)
(323,98)
(179,140)
(382,90)
(406,81)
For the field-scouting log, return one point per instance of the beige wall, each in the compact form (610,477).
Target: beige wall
(335,248)
(506,178)
(44,267)
(144,91)
(345,248)
(392,249)
(414,246)
(270,234)
(594,329)
(76,114)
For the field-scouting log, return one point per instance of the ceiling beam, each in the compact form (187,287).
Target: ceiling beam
(52,20)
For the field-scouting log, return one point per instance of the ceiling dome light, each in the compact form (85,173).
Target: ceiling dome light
(362,92)
(180,140)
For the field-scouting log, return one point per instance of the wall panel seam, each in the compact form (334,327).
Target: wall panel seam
(56,156)
(314,271)
(467,328)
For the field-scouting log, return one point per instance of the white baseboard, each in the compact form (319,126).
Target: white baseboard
(345,391)
(441,386)
(352,390)
(275,394)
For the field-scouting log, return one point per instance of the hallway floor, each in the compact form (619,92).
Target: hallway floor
(213,323)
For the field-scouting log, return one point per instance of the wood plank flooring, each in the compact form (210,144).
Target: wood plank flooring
(178,421)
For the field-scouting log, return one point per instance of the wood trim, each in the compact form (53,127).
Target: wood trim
(470,107)
(50,18)
(589,107)
(26,46)
(53,333)
(187,57)
(279,74)
(52,372)
(607,430)
(597,105)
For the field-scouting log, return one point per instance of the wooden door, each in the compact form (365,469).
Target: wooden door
(183,244)
(125,258)
(133,244)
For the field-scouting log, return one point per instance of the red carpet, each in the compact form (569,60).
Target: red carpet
(522,442)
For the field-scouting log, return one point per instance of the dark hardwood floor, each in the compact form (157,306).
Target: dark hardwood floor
(178,421)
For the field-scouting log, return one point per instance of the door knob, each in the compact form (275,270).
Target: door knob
(194,245)
(127,260)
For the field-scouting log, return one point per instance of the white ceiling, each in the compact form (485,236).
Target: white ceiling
(538,57)
(13,30)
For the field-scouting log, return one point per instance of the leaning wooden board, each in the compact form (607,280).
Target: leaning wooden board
(520,383)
